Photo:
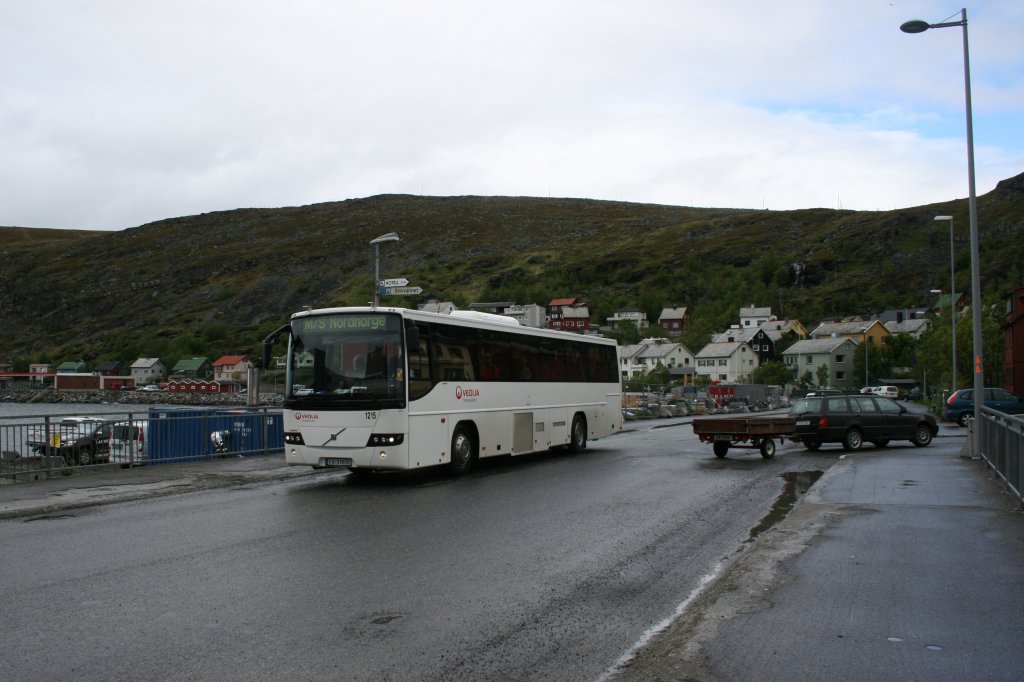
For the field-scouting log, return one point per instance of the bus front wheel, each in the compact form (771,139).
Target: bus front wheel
(463,450)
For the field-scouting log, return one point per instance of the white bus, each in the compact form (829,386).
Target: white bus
(389,388)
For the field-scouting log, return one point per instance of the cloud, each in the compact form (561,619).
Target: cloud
(113,114)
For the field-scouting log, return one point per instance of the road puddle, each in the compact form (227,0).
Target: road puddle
(796,486)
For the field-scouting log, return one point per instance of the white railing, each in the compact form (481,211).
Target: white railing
(1003,447)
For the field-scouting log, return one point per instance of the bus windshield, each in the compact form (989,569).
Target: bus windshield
(346,361)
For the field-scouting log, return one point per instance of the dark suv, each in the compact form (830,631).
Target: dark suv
(79,440)
(854,419)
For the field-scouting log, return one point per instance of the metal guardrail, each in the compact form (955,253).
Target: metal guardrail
(1002,447)
(43,446)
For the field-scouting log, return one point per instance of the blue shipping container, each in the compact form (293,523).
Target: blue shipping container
(248,432)
(179,434)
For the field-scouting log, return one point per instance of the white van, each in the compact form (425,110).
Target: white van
(129,442)
(886,391)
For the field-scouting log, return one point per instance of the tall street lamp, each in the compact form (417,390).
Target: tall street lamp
(389,237)
(938,292)
(918,26)
(952,294)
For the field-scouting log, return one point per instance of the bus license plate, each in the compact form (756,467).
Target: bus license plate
(337,462)
(804,422)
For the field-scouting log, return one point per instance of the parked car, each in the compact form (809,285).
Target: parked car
(887,391)
(884,391)
(129,442)
(913,394)
(817,393)
(150,387)
(854,419)
(79,440)
(960,406)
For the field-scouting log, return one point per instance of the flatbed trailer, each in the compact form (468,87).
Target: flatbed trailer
(743,432)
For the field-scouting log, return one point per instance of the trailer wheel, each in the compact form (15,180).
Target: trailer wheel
(721,448)
(767,448)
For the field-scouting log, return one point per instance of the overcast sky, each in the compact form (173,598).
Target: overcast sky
(115,113)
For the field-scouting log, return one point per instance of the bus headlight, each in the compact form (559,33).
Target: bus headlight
(379,439)
(293,438)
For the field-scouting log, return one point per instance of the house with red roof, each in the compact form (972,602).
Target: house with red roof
(568,314)
(232,368)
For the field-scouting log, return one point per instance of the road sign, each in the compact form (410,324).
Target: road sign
(399,282)
(400,291)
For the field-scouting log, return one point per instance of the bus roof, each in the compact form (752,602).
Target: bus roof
(461,320)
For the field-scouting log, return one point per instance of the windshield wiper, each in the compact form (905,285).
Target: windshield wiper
(354,391)
(362,390)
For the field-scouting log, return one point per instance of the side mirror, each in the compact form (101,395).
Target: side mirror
(268,343)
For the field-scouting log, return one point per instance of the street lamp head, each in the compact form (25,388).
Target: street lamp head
(935,291)
(389,237)
(915,26)
(944,217)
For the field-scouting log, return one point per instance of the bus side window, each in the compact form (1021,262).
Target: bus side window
(453,347)
(576,363)
(420,381)
(522,367)
(491,356)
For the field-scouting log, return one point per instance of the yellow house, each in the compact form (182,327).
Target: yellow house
(856,331)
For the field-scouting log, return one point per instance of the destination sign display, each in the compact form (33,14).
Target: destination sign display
(400,291)
(357,322)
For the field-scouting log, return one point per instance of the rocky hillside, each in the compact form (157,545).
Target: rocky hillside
(216,283)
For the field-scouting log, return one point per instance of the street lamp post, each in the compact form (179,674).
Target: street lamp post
(867,340)
(952,295)
(389,237)
(953,323)
(918,26)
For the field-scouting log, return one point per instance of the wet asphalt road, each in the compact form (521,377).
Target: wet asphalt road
(542,568)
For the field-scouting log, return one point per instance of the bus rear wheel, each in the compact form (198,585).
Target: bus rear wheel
(463,451)
(578,434)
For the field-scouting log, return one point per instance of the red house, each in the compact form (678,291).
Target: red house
(568,314)
(199,386)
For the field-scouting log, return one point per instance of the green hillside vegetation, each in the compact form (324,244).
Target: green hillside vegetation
(216,283)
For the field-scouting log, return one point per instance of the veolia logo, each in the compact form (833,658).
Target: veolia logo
(468,393)
(306,417)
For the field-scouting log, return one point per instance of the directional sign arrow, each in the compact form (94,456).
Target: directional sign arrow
(399,282)
(401,291)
